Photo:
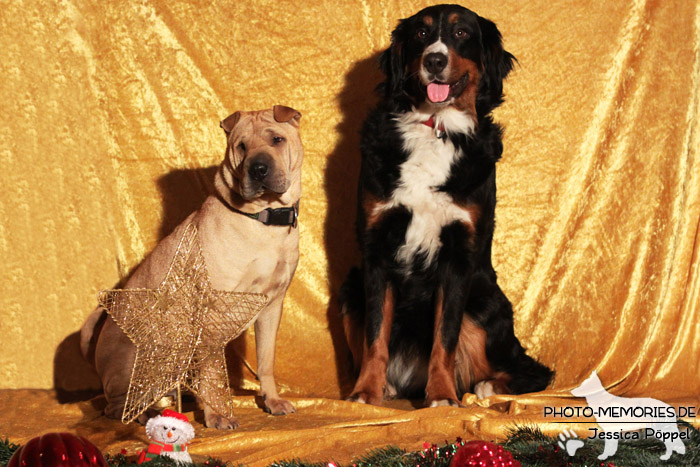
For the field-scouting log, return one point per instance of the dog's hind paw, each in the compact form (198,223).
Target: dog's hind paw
(277,406)
(484,389)
(214,420)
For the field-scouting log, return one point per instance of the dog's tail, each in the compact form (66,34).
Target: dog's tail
(352,309)
(90,332)
(506,354)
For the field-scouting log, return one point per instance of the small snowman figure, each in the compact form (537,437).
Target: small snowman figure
(169,434)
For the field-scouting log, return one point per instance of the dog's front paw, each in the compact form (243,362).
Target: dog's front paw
(214,420)
(444,403)
(277,406)
(365,397)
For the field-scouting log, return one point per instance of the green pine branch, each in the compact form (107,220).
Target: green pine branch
(534,449)
(6,450)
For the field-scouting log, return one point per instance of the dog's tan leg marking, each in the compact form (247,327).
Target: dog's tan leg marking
(266,327)
(354,336)
(441,389)
(369,388)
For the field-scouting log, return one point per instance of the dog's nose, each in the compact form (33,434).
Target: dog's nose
(258,171)
(435,62)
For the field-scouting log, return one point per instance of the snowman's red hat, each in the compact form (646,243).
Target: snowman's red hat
(172,419)
(173,414)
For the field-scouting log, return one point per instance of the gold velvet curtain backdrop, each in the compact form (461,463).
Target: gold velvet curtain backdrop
(109,132)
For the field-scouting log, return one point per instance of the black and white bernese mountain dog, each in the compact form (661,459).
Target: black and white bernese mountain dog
(424,316)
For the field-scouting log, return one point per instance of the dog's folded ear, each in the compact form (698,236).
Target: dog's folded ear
(391,61)
(284,114)
(229,122)
(497,64)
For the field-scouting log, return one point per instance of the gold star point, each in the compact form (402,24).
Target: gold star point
(208,370)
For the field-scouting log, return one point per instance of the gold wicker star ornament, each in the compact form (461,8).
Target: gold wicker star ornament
(180,331)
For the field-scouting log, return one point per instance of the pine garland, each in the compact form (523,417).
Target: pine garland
(6,450)
(527,444)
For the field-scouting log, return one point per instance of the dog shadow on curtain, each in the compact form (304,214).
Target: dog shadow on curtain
(183,191)
(356,99)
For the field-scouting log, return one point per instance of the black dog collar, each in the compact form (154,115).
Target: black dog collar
(269,216)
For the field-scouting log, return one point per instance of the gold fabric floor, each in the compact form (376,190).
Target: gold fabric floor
(321,430)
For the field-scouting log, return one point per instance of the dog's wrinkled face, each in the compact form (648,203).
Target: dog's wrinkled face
(447,55)
(263,153)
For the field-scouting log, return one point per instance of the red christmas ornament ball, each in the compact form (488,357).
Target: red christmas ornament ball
(58,450)
(483,454)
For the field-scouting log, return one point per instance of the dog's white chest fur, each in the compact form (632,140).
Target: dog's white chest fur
(427,167)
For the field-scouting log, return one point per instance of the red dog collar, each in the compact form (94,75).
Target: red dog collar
(440,131)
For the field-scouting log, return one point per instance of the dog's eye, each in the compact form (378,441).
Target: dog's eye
(241,146)
(461,34)
(421,33)
(277,140)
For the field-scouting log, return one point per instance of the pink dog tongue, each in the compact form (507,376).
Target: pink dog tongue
(438,92)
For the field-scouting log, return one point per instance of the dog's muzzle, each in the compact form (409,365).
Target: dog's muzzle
(263,172)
